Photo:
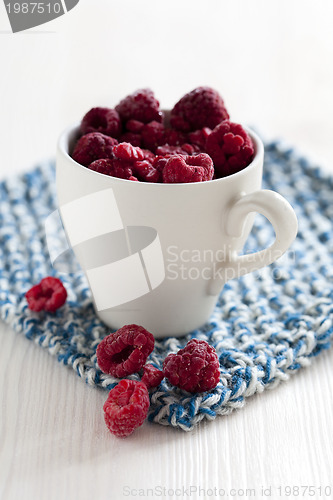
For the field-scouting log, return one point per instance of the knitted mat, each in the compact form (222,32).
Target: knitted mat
(266,325)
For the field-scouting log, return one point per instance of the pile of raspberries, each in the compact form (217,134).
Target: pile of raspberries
(135,141)
(195,368)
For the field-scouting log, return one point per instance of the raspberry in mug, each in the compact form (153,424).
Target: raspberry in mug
(136,142)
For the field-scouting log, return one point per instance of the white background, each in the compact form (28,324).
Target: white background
(272,63)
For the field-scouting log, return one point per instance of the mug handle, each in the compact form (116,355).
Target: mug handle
(283,219)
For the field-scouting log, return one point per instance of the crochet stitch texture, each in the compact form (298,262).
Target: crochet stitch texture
(265,327)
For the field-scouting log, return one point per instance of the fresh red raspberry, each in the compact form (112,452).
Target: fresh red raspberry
(134,126)
(49,294)
(132,138)
(103,166)
(148,155)
(145,171)
(125,151)
(174,137)
(202,107)
(153,135)
(199,137)
(184,149)
(152,376)
(125,351)
(141,106)
(195,168)
(159,162)
(194,368)
(126,407)
(93,146)
(230,147)
(113,167)
(103,120)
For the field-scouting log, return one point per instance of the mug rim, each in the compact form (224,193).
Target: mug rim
(258,147)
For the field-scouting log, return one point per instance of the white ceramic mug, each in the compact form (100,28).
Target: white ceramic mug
(158,255)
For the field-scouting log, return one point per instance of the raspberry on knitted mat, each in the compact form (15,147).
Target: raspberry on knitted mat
(125,351)
(195,368)
(195,168)
(126,407)
(230,147)
(140,106)
(48,295)
(103,120)
(93,146)
(202,107)
(152,376)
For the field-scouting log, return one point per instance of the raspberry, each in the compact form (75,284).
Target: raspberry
(145,171)
(174,137)
(160,162)
(230,147)
(103,166)
(152,376)
(103,120)
(134,126)
(132,138)
(141,106)
(153,135)
(184,149)
(126,407)
(113,167)
(199,137)
(125,351)
(125,151)
(148,155)
(188,168)
(93,146)
(49,294)
(194,368)
(202,107)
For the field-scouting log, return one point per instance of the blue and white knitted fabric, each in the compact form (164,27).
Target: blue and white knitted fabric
(266,325)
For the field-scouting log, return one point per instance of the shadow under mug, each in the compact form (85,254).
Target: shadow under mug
(158,255)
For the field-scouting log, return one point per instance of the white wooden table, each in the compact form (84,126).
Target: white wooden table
(271,62)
